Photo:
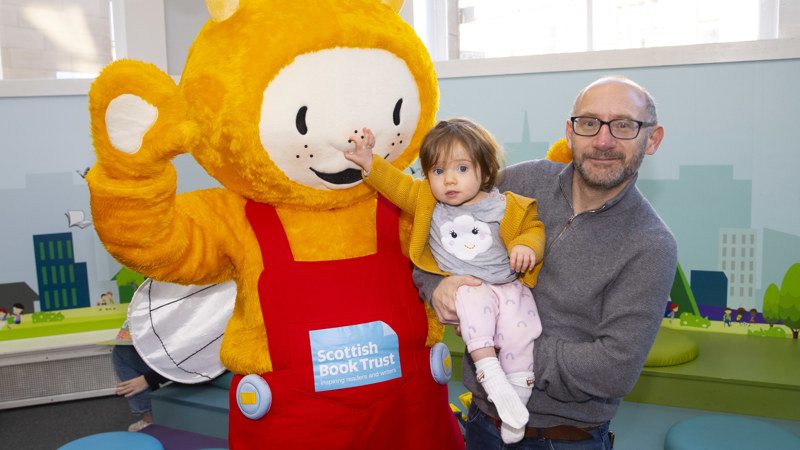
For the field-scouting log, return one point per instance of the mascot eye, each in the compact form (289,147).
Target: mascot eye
(396,113)
(475,230)
(300,120)
(453,234)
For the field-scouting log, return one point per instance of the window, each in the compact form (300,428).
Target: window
(465,37)
(52,39)
(74,39)
(468,29)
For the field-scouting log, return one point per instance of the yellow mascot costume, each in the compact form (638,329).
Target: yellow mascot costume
(329,342)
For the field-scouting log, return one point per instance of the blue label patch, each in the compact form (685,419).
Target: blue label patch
(355,355)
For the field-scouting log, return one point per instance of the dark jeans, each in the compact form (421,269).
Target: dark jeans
(482,434)
(128,365)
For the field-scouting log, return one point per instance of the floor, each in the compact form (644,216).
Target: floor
(643,426)
(638,426)
(47,427)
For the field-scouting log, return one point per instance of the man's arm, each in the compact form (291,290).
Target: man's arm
(440,293)
(608,365)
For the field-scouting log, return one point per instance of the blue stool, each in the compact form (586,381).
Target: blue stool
(118,440)
(727,433)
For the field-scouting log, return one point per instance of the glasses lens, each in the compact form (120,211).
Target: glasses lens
(624,128)
(586,126)
(620,128)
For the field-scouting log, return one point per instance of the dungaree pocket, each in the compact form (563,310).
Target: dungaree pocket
(355,364)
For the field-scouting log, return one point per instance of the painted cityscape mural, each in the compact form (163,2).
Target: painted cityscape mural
(724,180)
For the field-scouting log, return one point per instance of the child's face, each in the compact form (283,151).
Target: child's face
(456,181)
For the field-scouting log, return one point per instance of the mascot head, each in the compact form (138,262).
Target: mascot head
(276,87)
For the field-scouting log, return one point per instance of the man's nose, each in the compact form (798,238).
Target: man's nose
(604,137)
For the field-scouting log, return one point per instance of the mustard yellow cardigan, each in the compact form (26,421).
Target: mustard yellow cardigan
(520,223)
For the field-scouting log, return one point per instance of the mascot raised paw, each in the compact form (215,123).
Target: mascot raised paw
(328,340)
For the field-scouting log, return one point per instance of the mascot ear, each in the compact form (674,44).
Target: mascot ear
(560,152)
(396,5)
(222,9)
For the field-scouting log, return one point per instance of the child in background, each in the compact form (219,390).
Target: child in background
(464,225)
(137,379)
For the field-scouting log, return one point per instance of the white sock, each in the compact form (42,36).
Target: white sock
(522,382)
(509,406)
(510,434)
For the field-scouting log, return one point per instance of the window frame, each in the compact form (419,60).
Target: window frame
(142,27)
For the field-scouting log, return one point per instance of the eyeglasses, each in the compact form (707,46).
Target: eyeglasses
(620,128)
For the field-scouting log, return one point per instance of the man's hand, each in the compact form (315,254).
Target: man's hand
(132,386)
(443,299)
(522,258)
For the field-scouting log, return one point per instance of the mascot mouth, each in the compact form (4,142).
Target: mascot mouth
(346,176)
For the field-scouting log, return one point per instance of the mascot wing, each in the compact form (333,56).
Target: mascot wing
(178,329)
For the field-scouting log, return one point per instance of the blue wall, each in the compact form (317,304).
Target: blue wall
(729,159)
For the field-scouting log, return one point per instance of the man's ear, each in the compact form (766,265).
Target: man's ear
(654,140)
(568,133)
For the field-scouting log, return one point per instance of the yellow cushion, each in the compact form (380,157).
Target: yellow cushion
(670,348)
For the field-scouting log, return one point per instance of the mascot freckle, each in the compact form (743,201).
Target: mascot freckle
(329,342)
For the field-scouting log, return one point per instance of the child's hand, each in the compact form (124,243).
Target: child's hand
(522,258)
(362,155)
(132,387)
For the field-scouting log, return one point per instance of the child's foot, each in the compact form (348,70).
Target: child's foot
(510,434)
(509,406)
(138,425)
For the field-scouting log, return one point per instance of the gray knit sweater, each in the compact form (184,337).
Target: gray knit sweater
(602,292)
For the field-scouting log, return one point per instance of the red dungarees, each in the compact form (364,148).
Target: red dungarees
(300,298)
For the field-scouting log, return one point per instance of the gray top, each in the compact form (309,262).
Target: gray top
(466,239)
(601,294)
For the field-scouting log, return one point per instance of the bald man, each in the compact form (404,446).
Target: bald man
(607,270)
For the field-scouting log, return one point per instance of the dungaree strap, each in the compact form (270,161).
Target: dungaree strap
(271,235)
(388,235)
(269,232)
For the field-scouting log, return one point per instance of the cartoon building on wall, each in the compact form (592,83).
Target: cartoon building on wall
(737,258)
(19,292)
(709,288)
(63,283)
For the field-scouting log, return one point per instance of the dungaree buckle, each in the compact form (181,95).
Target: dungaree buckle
(253,396)
(441,364)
